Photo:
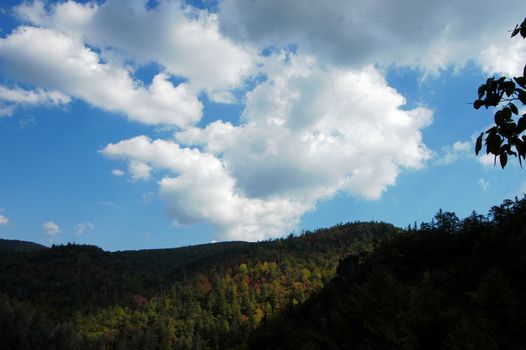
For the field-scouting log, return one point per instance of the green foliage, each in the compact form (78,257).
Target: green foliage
(506,137)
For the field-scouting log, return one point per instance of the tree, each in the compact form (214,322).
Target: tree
(505,137)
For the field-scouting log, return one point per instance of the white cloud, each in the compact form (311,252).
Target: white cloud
(51,228)
(204,191)
(426,34)
(4,220)
(310,132)
(49,59)
(184,40)
(488,160)
(506,58)
(18,95)
(13,97)
(307,133)
(456,151)
(139,170)
(117,172)
(6,111)
(81,228)
(484,184)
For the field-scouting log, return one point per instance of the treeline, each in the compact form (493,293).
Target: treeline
(449,284)
(205,297)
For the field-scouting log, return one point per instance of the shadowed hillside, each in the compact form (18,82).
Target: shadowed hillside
(448,285)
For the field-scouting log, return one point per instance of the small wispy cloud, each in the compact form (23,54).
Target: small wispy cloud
(51,228)
(82,227)
(483,184)
(454,152)
(117,172)
(106,204)
(148,197)
(3,220)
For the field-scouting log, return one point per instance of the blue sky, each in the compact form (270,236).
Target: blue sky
(136,124)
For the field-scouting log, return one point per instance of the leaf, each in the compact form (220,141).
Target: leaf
(521,81)
(506,113)
(514,108)
(524,72)
(493,99)
(503,160)
(521,125)
(494,142)
(509,87)
(499,118)
(477,104)
(478,144)
(515,31)
(522,96)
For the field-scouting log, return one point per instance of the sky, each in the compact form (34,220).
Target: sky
(134,124)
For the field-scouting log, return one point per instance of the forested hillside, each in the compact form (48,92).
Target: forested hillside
(204,297)
(449,285)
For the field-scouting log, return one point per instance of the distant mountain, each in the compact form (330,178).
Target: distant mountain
(20,246)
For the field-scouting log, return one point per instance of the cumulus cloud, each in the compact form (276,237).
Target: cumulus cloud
(81,228)
(49,59)
(322,120)
(184,40)
(51,229)
(307,133)
(4,220)
(311,131)
(201,189)
(427,34)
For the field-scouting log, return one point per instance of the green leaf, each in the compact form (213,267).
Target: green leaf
(478,144)
(503,159)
